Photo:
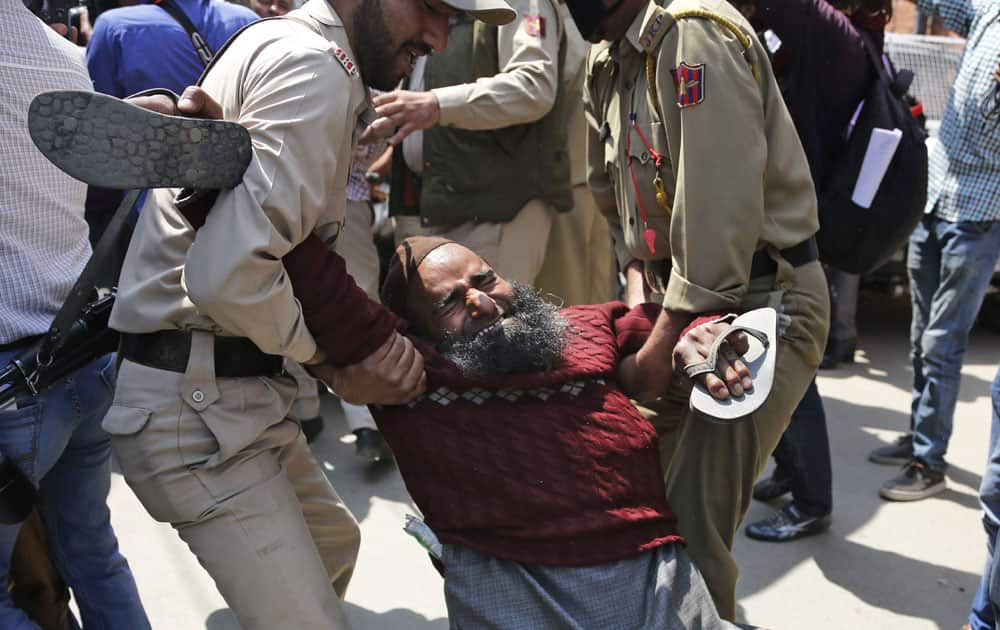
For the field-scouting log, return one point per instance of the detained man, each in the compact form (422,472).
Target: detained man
(527,458)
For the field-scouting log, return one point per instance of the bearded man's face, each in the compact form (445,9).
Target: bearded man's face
(528,338)
(483,323)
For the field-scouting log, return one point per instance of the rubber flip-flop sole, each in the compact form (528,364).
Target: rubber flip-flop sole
(104,141)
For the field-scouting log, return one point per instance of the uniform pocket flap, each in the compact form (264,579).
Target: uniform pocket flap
(122,420)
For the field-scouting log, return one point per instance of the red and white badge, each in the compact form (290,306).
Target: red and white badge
(534,25)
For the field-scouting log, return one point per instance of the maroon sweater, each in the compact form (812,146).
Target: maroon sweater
(554,468)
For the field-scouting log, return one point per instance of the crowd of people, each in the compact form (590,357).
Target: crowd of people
(575,198)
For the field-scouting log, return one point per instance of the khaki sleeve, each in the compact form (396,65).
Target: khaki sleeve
(719,151)
(598,178)
(296,107)
(525,88)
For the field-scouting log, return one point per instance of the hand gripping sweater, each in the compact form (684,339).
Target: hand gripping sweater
(554,468)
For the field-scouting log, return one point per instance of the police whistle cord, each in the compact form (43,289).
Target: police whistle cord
(648,235)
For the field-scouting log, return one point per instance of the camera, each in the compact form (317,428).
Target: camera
(57,11)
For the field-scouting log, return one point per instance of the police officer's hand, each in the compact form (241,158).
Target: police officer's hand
(193,102)
(694,347)
(403,110)
(392,375)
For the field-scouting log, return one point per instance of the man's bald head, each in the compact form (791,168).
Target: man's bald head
(480,321)
(444,289)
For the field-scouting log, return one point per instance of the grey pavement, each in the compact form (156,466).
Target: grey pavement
(883,565)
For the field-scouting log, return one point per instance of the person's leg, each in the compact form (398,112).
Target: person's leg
(659,589)
(521,248)
(923,264)
(923,270)
(809,468)
(842,340)
(74,507)
(331,525)
(983,615)
(36,586)
(803,457)
(228,478)
(968,253)
(714,467)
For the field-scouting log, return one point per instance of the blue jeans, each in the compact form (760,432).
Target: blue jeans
(803,456)
(57,441)
(987,602)
(949,266)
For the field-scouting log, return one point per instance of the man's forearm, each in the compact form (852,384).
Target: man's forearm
(647,374)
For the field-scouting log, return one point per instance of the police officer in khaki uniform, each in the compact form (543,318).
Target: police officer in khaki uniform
(491,169)
(697,166)
(578,266)
(199,420)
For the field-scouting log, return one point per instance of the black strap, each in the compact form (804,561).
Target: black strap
(201,46)
(873,55)
(83,291)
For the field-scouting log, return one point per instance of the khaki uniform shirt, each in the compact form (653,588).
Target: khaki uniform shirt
(525,87)
(294,86)
(734,170)
(521,92)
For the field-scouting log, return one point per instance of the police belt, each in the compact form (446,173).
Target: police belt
(235,357)
(657,272)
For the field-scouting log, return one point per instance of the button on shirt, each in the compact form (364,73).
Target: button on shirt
(287,81)
(43,236)
(964,169)
(125,41)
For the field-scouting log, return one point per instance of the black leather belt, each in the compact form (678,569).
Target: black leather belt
(235,357)
(796,255)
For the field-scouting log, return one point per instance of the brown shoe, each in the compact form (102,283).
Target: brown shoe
(916,481)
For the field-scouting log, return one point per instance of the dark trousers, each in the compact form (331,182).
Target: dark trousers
(803,456)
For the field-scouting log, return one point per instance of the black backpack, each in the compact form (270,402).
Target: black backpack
(856,239)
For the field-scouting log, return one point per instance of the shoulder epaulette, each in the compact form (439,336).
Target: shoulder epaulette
(657,24)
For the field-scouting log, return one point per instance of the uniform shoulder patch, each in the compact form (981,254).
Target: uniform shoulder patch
(654,28)
(534,25)
(345,60)
(690,82)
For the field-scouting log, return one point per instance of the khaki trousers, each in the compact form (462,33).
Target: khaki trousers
(579,267)
(711,475)
(219,460)
(515,249)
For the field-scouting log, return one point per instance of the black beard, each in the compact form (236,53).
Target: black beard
(374,49)
(530,339)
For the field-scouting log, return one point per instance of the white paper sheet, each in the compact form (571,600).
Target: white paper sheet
(881,147)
